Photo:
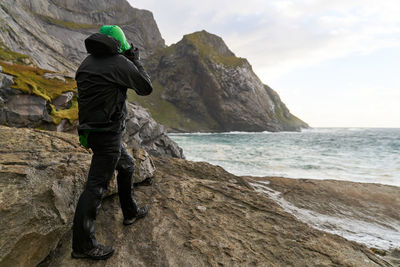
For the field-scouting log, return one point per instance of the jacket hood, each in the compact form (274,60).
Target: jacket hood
(99,44)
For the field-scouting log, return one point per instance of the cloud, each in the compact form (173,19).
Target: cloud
(280,36)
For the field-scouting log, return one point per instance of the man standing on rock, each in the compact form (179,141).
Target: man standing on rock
(103,78)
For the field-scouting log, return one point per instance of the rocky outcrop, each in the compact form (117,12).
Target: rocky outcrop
(143,131)
(212,90)
(41,177)
(51,33)
(54,108)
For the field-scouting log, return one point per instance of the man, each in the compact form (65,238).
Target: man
(103,78)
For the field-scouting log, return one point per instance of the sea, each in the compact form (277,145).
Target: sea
(370,155)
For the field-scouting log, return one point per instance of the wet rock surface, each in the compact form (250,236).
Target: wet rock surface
(366,213)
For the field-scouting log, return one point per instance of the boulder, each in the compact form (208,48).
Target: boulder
(142,130)
(144,166)
(26,111)
(5,80)
(64,100)
(42,174)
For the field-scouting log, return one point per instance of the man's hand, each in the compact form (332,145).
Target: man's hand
(132,54)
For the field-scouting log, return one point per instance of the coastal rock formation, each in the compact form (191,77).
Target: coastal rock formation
(211,89)
(42,174)
(51,33)
(200,84)
(199,214)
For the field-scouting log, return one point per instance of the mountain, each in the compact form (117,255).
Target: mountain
(211,89)
(200,85)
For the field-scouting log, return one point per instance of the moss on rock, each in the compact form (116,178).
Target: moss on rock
(31,81)
(66,23)
(8,55)
(208,49)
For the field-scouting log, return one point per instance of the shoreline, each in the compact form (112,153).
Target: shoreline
(363,212)
(199,215)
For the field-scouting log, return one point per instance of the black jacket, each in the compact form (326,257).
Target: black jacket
(103,79)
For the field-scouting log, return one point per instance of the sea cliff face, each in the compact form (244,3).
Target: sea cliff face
(199,214)
(213,90)
(200,85)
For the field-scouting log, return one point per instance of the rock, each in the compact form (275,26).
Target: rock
(41,177)
(198,218)
(366,213)
(49,75)
(64,100)
(5,81)
(26,110)
(63,126)
(213,90)
(144,166)
(201,208)
(142,130)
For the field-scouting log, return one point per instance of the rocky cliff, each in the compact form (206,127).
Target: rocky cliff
(35,88)
(202,85)
(51,32)
(200,215)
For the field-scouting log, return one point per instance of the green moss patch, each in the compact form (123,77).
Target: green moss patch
(31,81)
(71,114)
(199,40)
(66,23)
(8,55)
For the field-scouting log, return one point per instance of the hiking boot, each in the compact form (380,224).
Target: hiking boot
(99,252)
(140,214)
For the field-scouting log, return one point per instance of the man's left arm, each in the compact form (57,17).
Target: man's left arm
(131,73)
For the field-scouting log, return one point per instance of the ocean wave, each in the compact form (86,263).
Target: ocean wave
(359,154)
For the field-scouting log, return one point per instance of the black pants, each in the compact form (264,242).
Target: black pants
(108,155)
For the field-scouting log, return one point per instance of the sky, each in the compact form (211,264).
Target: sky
(334,63)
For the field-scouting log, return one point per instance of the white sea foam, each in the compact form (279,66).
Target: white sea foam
(370,234)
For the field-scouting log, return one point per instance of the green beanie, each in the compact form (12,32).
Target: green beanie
(117,33)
